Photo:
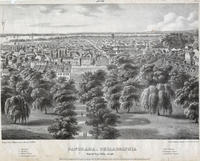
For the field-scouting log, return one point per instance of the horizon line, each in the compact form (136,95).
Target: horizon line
(99,32)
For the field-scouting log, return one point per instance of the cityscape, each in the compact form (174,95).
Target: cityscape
(109,84)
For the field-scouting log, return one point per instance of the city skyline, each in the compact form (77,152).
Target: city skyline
(90,18)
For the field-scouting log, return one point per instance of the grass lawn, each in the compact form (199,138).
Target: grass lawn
(133,125)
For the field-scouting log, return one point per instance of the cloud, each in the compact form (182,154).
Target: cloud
(173,22)
(46,9)
(93,10)
(89,10)
(169,17)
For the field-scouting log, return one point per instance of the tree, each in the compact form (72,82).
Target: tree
(127,71)
(144,99)
(119,93)
(98,115)
(157,98)
(6,92)
(177,40)
(65,127)
(113,91)
(14,79)
(42,104)
(101,119)
(35,79)
(51,74)
(42,100)
(129,94)
(178,78)
(4,80)
(154,74)
(88,82)
(17,109)
(23,88)
(188,97)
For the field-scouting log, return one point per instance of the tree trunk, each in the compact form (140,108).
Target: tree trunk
(117,110)
(197,120)
(128,110)
(45,110)
(97,134)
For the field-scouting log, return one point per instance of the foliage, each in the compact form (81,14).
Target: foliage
(6,92)
(129,95)
(178,78)
(154,74)
(41,99)
(127,71)
(144,99)
(23,88)
(17,109)
(50,74)
(42,103)
(177,40)
(35,79)
(14,79)
(119,91)
(192,112)
(88,82)
(64,127)
(157,98)
(66,93)
(113,91)
(101,119)
(98,115)
(188,97)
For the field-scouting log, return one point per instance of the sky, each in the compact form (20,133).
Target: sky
(76,18)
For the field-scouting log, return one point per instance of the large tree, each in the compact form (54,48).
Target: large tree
(178,78)
(65,126)
(118,88)
(17,109)
(130,94)
(23,88)
(99,117)
(42,99)
(188,98)
(89,82)
(6,92)
(158,94)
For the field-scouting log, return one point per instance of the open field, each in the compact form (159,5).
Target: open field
(135,125)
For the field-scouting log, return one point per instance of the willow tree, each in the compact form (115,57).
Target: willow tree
(155,99)
(17,109)
(6,92)
(23,88)
(42,99)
